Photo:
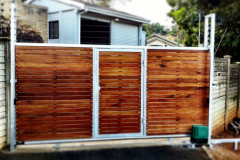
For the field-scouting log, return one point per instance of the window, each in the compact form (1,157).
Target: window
(53,30)
(95,32)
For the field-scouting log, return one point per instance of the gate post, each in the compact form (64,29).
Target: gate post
(12,80)
(210,32)
(228,57)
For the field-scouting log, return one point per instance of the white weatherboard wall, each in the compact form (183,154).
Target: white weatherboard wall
(68,30)
(125,34)
(2,99)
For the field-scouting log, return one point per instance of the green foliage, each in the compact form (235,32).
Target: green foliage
(185,14)
(154,28)
(178,33)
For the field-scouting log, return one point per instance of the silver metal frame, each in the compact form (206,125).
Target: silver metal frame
(145,93)
(235,141)
(97,96)
(12,80)
(104,139)
(109,46)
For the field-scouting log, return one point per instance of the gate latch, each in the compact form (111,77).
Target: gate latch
(15,101)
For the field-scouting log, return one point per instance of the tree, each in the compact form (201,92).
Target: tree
(154,28)
(179,34)
(185,14)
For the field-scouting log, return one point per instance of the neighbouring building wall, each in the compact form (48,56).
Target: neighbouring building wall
(32,16)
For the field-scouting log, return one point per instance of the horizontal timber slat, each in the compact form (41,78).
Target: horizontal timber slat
(177,90)
(54,93)
(120,95)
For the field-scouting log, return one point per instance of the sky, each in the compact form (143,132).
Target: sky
(155,10)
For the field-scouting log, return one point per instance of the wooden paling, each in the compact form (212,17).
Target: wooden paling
(54,93)
(177,90)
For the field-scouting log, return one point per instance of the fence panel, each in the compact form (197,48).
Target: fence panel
(54,93)
(177,90)
(3,116)
(120,94)
(219,95)
(233,93)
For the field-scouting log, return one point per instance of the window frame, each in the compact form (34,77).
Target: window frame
(51,35)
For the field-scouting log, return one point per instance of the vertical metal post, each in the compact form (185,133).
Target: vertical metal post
(12,81)
(238,106)
(199,30)
(96,92)
(145,94)
(206,32)
(212,42)
(93,91)
(236,145)
(228,57)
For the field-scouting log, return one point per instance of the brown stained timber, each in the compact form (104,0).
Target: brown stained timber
(54,136)
(119,98)
(178,87)
(54,93)
(37,48)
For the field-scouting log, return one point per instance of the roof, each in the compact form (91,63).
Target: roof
(101,10)
(162,39)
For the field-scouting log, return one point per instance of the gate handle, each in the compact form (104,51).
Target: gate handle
(99,88)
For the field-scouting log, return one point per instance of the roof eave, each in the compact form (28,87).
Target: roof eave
(103,11)
(116,14)
(163,40)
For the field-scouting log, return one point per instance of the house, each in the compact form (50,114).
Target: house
(157,40)
(78,22)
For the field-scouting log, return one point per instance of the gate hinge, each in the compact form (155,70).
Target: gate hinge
(15,101)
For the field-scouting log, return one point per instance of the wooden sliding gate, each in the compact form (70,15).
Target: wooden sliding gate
(67,93)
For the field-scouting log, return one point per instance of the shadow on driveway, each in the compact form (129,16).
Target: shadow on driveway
(135,153)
